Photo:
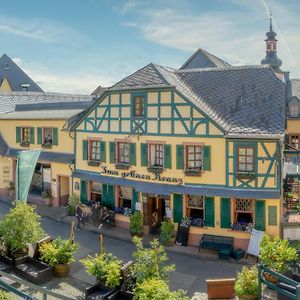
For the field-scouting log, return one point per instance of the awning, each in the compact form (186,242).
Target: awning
(167,189)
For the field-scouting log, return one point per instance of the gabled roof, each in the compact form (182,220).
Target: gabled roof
(15,76)
(295,85)
(203,59)
(146,77)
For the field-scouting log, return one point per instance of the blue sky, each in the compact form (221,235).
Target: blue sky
(75,45)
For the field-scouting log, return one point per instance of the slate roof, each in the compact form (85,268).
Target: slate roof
(295,85)
(15,75)
(9,101)
(203,59)
(245,100)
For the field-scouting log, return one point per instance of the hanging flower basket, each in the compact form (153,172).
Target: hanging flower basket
(156,170)
(122,166)
(94,163)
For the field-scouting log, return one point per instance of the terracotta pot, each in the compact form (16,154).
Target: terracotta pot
(61,270)
(270,277)
(247,297)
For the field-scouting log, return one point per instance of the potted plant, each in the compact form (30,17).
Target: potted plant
(11,189)
(136,224)
(47,197)
(20,227)
(72,203)
(5,296)
(59,253)
(246,285)
(276,253)
(167,235)
(157,289)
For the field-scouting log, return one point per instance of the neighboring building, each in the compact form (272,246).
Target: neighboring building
(40,120)
(202,143)
(14,79)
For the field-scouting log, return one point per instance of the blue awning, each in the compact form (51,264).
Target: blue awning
(167,189)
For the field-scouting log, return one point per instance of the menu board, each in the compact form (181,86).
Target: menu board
(182,236)
(255,240)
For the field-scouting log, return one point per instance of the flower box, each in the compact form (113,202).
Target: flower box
(33,270)
(5,262)
(47,145)
(94,163)
(24,144)
(245,175)
(155,169)
(193,172)
(122,166)
(99,291)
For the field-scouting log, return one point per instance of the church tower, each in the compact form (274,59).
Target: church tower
(271,58)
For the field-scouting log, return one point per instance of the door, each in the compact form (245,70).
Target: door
(83,191)
(64,187)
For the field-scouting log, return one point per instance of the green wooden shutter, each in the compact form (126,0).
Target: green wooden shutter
(135,199)
(18,134)
(102,152)
(55,136)
(104,194)
(112,153)
(206,158)
(260,219)
(133,154)
(225,213)
(83,191)
(111,196)
(209,208)
(39,135)
(168,157)
(177,208)
(32,135)
(144,155)
(179,157)
(272,215)
(85,150)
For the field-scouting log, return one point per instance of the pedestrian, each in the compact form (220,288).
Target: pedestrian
(79,215)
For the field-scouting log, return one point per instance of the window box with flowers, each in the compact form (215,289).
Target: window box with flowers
(193,171)
(243,215)
(195,210)
(94,163)
(156,158)
(25,144)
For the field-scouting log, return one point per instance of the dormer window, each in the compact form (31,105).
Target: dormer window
(294,109)
(25,87)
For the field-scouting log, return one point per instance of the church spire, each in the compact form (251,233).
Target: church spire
(271,49)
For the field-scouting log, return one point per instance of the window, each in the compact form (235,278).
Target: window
(245,159)
(123,153)
(96,191)
(139,106)
(294,109)
(25,137)
(195,205)
(125,199)
(243,214)
(94,147)
(157,155)
(47,136)
(194,157)
(294,141)
(25,87)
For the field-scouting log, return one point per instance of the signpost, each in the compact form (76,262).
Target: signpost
(24,171)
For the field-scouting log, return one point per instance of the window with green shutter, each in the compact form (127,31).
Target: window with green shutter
(177,207)
(272,215)
(225,212)
(135,199)
(104,194)
(133,154)
(179,157)
(108,195)
(39,135)
(18,134)
(31,135)
(85,150)
(260,219)
(112,153)
(55,136)
(83,191)
(209,211)
(144,155)
(168,157)
(102,152)
(206,158)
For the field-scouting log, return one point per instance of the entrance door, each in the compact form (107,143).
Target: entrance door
(83,191)
(64,187)
(156,213)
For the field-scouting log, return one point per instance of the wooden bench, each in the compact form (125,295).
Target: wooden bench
(216,242)
(220,288)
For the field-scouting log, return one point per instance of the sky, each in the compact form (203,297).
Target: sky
(73,46)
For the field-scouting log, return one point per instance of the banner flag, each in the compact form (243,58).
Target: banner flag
(25,167)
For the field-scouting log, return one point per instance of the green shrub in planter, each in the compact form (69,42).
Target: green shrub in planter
(247,282)
(156,289)
(105,267)
(276,253)
(21,226)
(167,232)
(5,296)
(72,203)
(58,251)
(136,224)
(150,262)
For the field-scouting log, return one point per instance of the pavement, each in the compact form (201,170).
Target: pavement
(192,268)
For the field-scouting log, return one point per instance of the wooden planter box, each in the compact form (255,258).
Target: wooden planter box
(156,170)
(24,144)
(245,175)
(192,172)
(94,163)
(34,270)
(5,263)
(220,288)
(99,291)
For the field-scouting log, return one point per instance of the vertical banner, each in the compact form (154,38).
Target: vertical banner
(25,167)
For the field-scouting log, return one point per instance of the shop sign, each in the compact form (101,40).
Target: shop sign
(134,175)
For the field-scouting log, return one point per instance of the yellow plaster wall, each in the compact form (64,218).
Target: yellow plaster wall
(5,86)
(6,173)
(293,126)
